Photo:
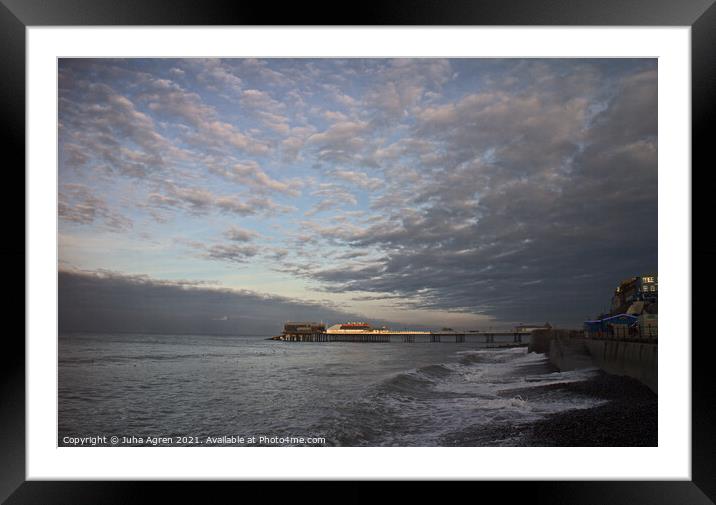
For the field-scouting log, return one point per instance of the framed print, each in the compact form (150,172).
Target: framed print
(417,244)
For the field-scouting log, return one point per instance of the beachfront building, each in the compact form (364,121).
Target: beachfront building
(644,288)
(634,311)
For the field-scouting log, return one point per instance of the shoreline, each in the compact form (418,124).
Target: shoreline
(628,419)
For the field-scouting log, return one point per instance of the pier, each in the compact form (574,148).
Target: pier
(363,333)
(409,337)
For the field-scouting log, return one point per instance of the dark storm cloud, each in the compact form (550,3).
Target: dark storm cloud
(534,206)
(107,302)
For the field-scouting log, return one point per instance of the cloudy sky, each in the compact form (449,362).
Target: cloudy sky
(472,193)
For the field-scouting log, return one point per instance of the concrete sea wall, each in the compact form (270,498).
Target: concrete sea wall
(568,351)
(634,359)
(540,340)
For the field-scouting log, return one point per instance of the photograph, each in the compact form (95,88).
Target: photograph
(290,250)
(357,252)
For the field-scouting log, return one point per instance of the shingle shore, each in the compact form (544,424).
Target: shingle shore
(629,418)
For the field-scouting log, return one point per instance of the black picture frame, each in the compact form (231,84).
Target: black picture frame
(17,15)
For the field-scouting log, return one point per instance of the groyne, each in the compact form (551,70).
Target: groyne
(570,350)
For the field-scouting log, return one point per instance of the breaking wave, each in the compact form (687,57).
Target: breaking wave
(481,397)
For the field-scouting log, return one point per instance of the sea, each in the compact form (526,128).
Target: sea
(200,390)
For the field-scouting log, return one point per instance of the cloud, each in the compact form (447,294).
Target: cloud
(276,122)
(249,174)
(359,179)
(237,234)
(235,206)
(292,144)
(400,85)
(168,99)
(218,75)
(78,205)
(105,129)
(195,200)
(534,206)
(221,135)
(106,301)
(522,189)
(142,125)
(260,71)
(201,201)
(255,99)
(342,141)
(331,195)
(234,253)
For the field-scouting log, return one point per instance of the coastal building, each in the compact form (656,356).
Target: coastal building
(634,311)
(643,288)
(620,325)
